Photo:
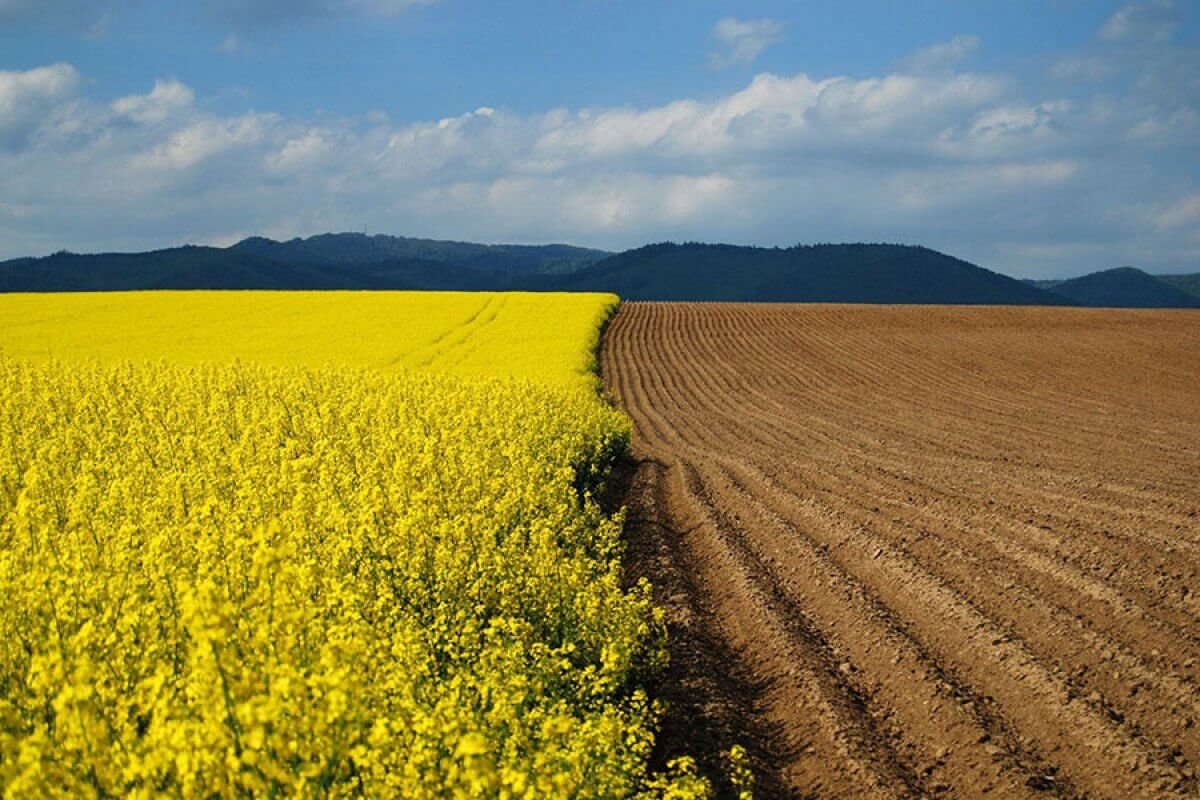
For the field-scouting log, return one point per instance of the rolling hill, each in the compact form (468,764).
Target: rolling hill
(1124,287)
(1187,283)
(845,273)
(193,267)
(357,249)
(825,273)
(329,261)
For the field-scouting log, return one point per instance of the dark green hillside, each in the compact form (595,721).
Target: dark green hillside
(829,273)
(833,273)
(216,268)
(1186,283)
(330,261)
(176,268)
(1125,287)
(356,249)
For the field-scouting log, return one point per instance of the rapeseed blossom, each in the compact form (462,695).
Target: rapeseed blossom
(233,578)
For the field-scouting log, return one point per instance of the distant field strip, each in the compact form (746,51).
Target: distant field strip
(307,574)
(912,552)
(544,337)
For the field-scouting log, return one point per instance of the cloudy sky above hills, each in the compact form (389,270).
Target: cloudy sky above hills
(1035,138)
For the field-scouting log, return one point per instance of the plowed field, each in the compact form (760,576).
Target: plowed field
(918,551)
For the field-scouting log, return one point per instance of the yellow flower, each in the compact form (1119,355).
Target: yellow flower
(269,578)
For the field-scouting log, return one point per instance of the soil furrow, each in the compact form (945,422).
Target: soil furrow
(921,551)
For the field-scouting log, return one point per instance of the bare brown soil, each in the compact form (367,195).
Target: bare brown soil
(929,551)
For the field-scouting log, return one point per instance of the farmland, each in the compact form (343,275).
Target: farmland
(343,544)
(239,556)
(922,551)
(546,338)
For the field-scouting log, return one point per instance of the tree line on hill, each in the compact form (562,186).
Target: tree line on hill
(841,273)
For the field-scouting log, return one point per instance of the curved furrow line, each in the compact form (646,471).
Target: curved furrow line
(957,734)
(895,375)
(626,373)
(825,738)
(1040,556)
(799,667)
(994,663)
(1064,552)
(751,351)
(778,427)
(995,499)
(1093,587)
(713,699)
(773,427)
(1136,691)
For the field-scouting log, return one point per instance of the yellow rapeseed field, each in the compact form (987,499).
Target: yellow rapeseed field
(543,337)
(260,564)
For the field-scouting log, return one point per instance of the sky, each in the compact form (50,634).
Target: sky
(1040,138)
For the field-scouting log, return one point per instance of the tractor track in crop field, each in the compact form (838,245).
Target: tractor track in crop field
(921,551)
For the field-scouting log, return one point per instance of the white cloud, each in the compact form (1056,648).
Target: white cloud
(1001,130)
(198,141)
(776,113)
(1153,20)
(1185,212)
(27,99)
(167,98)
(741,41)
(941,56)
(951,159)
(304,152)
(1081,68)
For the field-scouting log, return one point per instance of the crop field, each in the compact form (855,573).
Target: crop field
(543,337)
(922,551)
(240,558)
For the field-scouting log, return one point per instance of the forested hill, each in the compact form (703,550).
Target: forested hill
(828,273)
(1188,283)
(833,273)
(329,261)
(1124,287)
(356,249)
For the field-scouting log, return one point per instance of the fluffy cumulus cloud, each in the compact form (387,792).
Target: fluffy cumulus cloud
(30,99)
(1152,20)
(165,100)
(741,41)
(932,153)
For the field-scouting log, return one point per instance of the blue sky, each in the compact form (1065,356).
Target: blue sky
(1036,138)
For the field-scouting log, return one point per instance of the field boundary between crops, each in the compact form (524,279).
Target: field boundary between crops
(709,704)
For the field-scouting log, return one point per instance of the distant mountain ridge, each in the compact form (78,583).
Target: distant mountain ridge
(833,273)
(327,261)
(1186,283)
(358,249)
(830,273)
(1125,287)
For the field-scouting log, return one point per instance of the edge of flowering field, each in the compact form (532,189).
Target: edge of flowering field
(680,778)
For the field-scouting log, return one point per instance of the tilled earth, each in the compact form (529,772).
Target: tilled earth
(921,551)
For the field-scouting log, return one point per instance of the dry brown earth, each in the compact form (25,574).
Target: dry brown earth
(922,551)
